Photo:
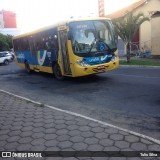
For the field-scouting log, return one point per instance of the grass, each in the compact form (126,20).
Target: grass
(142,62)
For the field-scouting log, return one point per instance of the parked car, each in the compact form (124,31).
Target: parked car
(9,53)
(5,58)
(12,53)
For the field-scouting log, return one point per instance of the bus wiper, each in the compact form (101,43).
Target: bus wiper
(92,45)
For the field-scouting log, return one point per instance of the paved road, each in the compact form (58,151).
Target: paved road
(27,126)
(127,97)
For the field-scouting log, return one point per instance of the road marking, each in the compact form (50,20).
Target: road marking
(85,117)
(130,75)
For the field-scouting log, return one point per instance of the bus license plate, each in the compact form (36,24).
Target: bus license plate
(101,67)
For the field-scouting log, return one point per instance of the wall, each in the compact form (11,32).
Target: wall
(145,29)
(9,19)
(155,35)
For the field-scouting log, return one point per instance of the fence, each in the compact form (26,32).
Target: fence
(142,50)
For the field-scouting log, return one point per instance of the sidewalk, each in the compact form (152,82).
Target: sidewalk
(123,59)
(25,126)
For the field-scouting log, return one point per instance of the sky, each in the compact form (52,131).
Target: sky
(114,5)
(33,14)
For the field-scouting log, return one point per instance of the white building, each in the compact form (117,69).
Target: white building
(10,31)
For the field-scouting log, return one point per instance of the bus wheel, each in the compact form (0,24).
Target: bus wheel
(27,67)
(57,72)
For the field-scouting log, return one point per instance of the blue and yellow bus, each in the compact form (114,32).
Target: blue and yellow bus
(74,48)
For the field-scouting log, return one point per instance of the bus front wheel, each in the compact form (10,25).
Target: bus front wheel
(27,67)
(57,72)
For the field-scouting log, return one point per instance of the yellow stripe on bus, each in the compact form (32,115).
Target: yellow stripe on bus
(36,67)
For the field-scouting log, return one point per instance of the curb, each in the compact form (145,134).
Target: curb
(139,66)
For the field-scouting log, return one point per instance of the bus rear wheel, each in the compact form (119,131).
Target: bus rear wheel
(57,72)
(27,67)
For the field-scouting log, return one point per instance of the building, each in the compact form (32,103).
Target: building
(8,24)
(9,19)
(155,33)
(148,35)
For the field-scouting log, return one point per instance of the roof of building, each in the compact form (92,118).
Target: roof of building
(130,8)
(155,14)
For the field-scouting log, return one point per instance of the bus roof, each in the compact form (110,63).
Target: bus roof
(58,24)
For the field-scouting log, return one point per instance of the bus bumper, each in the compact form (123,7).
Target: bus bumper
(95,69)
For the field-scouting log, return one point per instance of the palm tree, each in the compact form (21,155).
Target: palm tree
(127,26)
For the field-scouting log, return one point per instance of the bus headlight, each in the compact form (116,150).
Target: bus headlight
(82,63)
(113,59)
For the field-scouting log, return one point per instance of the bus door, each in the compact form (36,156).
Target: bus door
(63,46)
(33,52)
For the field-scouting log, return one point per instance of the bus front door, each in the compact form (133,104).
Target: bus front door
(63,46)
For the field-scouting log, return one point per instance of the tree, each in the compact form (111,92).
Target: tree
(5,42)
(127,26)
(9,40)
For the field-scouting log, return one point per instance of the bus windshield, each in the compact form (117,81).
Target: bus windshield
(92,37)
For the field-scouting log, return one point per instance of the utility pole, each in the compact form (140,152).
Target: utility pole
(101,8)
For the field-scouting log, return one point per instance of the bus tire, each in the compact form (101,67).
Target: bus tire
(27,67)
(57,72)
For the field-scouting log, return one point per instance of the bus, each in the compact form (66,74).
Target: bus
(73,48)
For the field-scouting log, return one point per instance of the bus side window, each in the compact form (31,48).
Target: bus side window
(55,41)
(15,42)
(39,43)
(31,41)
(24,44)
(19,45)
(51,39)
(46,41)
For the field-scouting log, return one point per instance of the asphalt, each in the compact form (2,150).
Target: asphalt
(28,126)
